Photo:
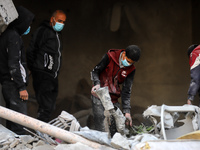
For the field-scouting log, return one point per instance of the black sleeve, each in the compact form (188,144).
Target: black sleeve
(126,92)
(14,58)
(98,69)
(36,41)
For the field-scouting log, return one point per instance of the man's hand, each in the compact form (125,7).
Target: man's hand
(94,88)
(189,102)
(128,119)
(23,95)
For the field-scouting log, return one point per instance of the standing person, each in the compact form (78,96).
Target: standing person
(194,56)
(115,68)
(13,71)
(44,60)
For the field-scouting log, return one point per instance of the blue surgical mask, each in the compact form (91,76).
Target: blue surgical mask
(27,31)
(125,63)
(58,26)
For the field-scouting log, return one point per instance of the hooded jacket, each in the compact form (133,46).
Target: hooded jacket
(108,73)
(194,73)
(44,51)
(12,54)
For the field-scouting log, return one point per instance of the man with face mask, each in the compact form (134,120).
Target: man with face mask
(115,68)
(44,61)
(13,70)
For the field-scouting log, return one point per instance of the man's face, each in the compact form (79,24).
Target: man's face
(60,18)
(128,59)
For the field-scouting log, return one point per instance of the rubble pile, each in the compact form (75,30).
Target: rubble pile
(152,138)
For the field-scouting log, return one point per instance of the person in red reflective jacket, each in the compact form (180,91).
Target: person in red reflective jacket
(115,68)
(194,56)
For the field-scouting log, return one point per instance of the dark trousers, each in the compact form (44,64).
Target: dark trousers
(11,96)
(46,91)
(98,112)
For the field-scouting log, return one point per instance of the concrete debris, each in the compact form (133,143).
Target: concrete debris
(119,120)
(170,116)
(66,121)
(77,146)
(104,96)
(8,13)
(94,135)
(120,142)
(87,139)
(44,147)
(134,140)
(10,140)
(168,145)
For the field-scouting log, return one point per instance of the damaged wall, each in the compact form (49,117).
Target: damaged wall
(163,30)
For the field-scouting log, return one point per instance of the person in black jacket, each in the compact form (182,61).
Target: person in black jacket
(13,70)
(44,61)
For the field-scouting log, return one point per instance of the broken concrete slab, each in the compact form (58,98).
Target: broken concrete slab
(104,96)
(26,139)
(94,135)
(120,142)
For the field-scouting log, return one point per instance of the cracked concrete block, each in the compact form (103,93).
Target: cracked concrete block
(26,139)
(120,142)
(76,146)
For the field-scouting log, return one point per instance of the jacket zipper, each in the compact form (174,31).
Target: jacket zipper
(59,55)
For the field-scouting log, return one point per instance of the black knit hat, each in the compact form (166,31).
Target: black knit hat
(133,52)
(191,48)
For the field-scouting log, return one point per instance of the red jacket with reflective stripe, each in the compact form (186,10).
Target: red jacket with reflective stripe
(194,73)
(113,75)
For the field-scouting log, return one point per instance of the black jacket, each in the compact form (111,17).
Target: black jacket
(44,51)
(12,54)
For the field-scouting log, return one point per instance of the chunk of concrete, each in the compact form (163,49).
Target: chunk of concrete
(120,142)
(26,139)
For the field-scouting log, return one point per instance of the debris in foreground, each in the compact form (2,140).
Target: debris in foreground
(87,139)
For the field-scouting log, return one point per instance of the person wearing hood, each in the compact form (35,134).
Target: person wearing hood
(13,70)
(115,68)
(44,61)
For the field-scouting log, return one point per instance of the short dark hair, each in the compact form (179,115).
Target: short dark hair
(133,52)
(191,48)
(58,11)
